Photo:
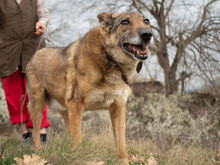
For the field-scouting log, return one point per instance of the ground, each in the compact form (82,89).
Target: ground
(160,130)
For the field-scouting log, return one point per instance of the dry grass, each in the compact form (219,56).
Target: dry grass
(101,148)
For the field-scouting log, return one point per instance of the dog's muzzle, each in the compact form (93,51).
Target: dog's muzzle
(139,51)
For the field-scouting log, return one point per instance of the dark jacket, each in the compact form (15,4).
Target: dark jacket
(18,41)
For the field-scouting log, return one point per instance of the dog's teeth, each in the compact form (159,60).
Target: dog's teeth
(146,54)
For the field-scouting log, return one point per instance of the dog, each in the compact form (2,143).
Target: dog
(91,73)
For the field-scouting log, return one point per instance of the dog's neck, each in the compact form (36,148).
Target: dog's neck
(114,63)
(105,58)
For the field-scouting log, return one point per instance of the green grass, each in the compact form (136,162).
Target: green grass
(101,148)
(11,148)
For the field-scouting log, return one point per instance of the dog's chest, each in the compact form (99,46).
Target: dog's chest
(102,98)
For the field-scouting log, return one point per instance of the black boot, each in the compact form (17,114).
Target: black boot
(43,138)
(27,137)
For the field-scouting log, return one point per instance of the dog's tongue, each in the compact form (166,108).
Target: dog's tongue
(142,49)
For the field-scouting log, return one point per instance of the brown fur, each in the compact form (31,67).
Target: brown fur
(79,77)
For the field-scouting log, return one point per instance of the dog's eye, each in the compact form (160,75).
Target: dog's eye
(125,22)
(146,21)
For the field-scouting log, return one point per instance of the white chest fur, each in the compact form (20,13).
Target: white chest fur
(102,99)
(114,90)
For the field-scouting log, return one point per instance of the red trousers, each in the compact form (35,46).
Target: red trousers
(15,89)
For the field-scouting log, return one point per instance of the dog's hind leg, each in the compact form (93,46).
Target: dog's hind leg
(75,118)
(118,117)
(35,106)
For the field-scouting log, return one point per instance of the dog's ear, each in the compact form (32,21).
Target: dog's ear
(106,20)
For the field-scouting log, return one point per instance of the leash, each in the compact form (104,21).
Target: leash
(46,37)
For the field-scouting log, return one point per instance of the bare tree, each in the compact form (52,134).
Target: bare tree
(199,36)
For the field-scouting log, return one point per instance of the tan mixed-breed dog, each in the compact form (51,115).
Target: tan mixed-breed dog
(90,74)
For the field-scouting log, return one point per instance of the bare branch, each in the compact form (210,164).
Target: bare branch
(204,72)
(169,8)
(162,8)
(155,4)
(153,13)
(198,30)
(135,5)
(155,28)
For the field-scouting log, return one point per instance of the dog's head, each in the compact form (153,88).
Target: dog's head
(127,33)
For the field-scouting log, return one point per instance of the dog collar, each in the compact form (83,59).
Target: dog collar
(117,67)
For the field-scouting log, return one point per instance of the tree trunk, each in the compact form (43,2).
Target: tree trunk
(171,82)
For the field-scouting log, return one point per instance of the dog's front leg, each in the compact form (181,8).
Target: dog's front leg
(75,117)
(118,117)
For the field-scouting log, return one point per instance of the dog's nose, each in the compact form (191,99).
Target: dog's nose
(145,35)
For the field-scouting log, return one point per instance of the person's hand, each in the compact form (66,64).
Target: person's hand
(40,28)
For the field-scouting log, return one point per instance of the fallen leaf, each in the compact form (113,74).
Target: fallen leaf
(95,163)
(137,158)
(18,160)
(134,158)
(30,160)
(78,162)
(151,161)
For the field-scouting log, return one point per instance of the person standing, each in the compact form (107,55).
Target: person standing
(22,23)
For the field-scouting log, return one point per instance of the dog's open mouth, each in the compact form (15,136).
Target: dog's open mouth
(139,51)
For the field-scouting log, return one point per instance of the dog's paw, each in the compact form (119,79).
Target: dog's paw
(123,155)
(75,147)
(124,161)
